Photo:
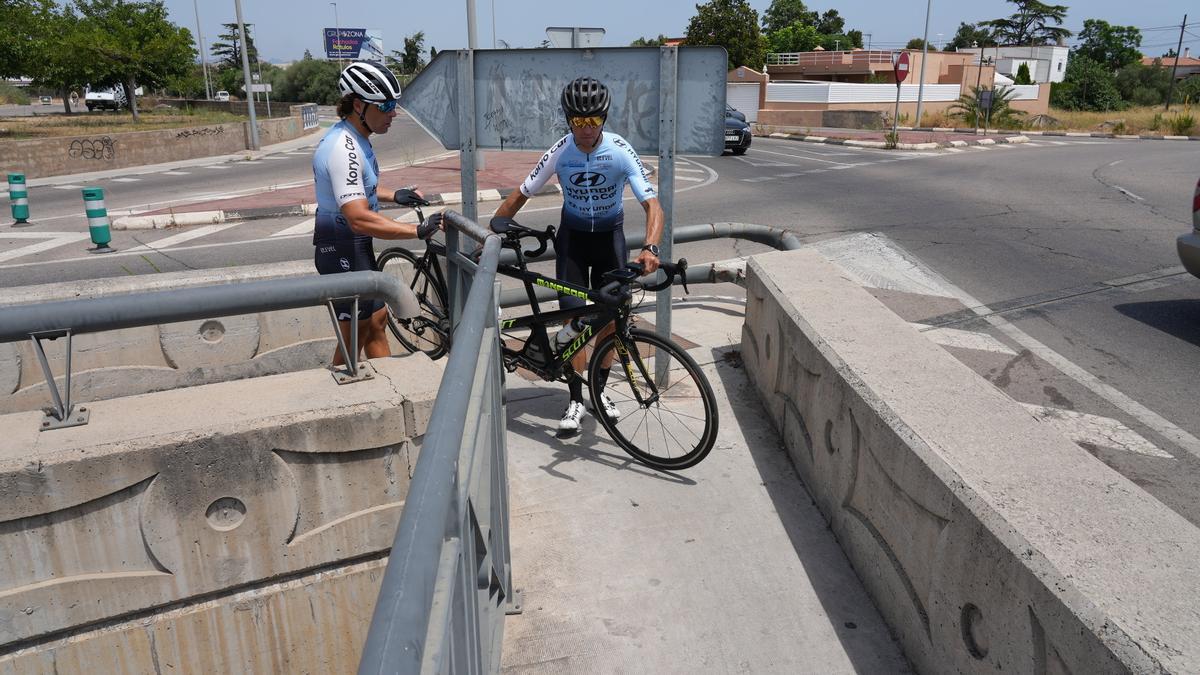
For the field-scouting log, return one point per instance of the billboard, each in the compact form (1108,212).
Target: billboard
(354,44)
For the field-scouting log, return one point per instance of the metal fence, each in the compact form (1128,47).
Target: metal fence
(448,582)
(839,58)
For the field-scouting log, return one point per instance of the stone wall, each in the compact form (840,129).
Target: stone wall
(989,542)
(232,527)
(43,157)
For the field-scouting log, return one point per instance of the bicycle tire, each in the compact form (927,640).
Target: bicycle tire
(685,414)
(427,331)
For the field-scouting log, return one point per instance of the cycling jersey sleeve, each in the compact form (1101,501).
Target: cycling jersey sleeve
(345,163)
(545,168)
(635,171)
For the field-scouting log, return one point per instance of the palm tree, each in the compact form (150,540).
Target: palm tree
(1003,114)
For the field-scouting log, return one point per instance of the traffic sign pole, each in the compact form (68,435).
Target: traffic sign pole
(900,68)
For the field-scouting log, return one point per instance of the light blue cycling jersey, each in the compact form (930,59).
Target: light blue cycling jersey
(344,169)
(592,183)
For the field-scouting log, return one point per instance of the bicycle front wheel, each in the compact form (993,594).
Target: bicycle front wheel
(427,332)
(663,409)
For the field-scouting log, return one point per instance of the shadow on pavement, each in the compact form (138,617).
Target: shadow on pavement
(1178,318)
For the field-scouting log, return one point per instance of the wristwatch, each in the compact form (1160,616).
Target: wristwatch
(652,248)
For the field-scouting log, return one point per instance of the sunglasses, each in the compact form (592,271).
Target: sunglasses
(592,121)
(386,106)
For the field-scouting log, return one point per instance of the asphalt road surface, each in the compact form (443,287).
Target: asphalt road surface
(1048,267)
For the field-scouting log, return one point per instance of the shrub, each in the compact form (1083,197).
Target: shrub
(1181,124)
(1023,75)
(13,95)
(1003,115)
(1087,85)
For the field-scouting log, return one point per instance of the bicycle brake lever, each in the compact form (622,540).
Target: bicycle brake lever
(681,270)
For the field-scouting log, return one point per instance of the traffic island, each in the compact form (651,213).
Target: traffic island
(989,542)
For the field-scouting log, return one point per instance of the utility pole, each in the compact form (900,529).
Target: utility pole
(493,24)
(978,79)
(337,35)
(1178,55)
(479,163)
(237,5)
(868,41)
(924,58)
(203,58)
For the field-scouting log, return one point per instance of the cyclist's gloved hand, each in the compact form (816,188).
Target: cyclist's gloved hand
(409,197)
(431,225)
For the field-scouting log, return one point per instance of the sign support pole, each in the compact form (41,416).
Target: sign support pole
(457,282)
(667,100)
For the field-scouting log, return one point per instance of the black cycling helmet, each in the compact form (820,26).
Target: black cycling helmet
(585,97)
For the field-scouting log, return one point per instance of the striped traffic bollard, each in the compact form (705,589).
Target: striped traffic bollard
(19,197)
(97,215)
(1196,209)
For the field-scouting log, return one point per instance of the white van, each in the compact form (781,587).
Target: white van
(222,95)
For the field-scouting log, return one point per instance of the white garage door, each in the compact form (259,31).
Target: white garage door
(744,97)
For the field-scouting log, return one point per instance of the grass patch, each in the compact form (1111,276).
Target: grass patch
(85,124)
(10,95)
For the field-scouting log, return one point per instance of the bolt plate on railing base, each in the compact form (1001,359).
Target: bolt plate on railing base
(516,603)
(342,376)
(76,418)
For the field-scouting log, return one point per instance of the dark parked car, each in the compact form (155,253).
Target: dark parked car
(731,111)
(737,133)
(1188,245)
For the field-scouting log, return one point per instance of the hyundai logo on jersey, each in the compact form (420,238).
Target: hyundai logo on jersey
(588,179)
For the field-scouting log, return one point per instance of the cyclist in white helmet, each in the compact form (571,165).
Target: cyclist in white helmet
(347,181)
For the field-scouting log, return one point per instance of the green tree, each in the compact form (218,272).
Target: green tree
(970,35)
(798,37)
(1031,24)
(831,23)
(309,81)
(1144,85)
(1086,85)
(227,51)
(783,13)
(916,43)
(1023,76)
(46,35)
(432,54)
(856,38)
(135,43)
(307,55)
(1002,114)
(649,42)
(1112,46)
(731,24)
(837,42)
(411,62)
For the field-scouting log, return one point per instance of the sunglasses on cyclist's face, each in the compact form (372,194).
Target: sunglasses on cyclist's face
(591,121)
(386,106)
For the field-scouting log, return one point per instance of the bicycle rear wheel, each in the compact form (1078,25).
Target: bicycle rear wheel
(668,422)
(427,332)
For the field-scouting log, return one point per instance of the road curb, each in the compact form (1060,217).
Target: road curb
(1071,134)
(932,145)
(188,218)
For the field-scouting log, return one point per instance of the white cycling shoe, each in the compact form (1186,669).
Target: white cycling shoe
(569,424)
(611,411)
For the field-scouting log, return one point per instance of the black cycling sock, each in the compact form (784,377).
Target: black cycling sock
(576,388)
(602,378)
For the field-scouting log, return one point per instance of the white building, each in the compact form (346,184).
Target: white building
(1047,63)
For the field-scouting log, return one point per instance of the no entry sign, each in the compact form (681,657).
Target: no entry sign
(900,65)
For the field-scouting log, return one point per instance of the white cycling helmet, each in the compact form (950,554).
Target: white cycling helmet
(370,82)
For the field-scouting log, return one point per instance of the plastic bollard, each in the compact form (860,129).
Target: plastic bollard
(19,195)
(97,215)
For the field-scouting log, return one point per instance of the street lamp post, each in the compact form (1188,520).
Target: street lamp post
(924,58)
(203,58)
(337,34)
(237,5)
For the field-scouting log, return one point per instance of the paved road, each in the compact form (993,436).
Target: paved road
(1049,267)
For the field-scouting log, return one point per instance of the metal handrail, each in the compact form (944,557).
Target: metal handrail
(448,581)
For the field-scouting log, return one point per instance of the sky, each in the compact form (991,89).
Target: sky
(285,28)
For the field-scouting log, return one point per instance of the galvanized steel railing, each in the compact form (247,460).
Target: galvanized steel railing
(448,582)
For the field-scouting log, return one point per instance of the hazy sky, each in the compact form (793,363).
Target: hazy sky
(285,28)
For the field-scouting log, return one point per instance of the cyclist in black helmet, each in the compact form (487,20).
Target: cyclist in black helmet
(593,166)
(347,180)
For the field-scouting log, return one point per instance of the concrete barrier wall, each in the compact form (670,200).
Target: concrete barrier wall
(101,152)
(233,526)
(157,358)
(989,542)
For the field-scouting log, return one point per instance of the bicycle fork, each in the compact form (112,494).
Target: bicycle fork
(635,368)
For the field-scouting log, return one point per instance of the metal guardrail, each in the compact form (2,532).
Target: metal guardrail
(448,582)
(49,321)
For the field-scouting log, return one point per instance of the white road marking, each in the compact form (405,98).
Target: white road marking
(67,187)
(302,227)
(873,262)
(1127,193)
(963,339)
(809,159)
(175,240)
(55,239)
(216,167)
(690,179)
(174,173)
(126,180)
(1096,430)
(880,250)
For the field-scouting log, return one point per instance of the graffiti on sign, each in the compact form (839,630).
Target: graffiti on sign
(206,131)
(92,148)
